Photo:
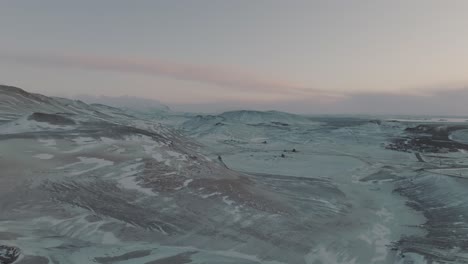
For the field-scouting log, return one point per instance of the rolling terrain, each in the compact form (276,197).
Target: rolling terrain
(90,183)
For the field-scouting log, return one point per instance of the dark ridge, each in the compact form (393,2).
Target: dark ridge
(15,90)
(123,257)
(53,119)
(65,114)
(12,89)
(235,112)
(271,125)
(181,258)
(94,130)
(105,106)
(280,123)
(33,260)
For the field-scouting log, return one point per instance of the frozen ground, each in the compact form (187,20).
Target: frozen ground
(364,159)
(95,184)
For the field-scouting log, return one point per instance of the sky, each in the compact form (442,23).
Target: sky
(312,56)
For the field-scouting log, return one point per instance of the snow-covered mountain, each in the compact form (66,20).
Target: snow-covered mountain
(258,117)
(83,183)
(423,162)
(273,128)
(246,126)
(129,103)
(91,183)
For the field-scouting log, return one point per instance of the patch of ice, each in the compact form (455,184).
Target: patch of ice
(385,214)
(365,238)
(86,160)
(185,184)
(107,140)
(47,142)
(322,255)
(83,140)
(227,201)
(148,140)
(43,156)
(109,238)
(209,195)
(378,238)
(133,167)
(432,120)
(148,149)
(158,157)
(130,183)
(177,155)
(78,149)
(238,255)
(119,150)
(24,125)
(381,241)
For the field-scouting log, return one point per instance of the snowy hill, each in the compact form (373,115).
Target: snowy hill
(91,183)
(84,183)
(258,117)
(128,103)
(247,126)
(279,128)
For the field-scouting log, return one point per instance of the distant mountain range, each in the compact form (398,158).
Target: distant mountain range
(126,102)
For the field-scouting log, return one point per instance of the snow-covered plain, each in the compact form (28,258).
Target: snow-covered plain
(93,184)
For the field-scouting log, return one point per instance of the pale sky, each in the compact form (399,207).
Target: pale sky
(301,56)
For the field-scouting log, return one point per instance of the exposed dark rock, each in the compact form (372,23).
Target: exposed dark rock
(93,218)
(33,260)
(280,124)
(53,119)
(428,138)
(436,131)
(441,200)
(8,254)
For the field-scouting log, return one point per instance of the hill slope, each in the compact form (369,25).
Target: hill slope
(89,183)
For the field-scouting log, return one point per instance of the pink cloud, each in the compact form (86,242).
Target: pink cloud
(218,76)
